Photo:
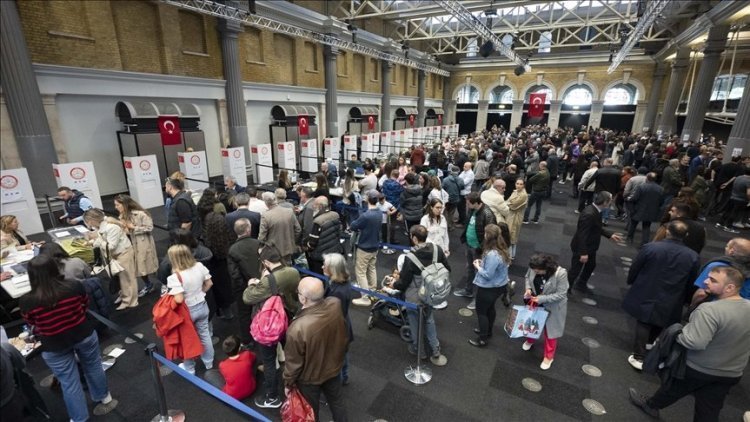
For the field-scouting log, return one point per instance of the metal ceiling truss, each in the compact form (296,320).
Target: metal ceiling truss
(653,9)
(243,16)
(441,34)
(465,17)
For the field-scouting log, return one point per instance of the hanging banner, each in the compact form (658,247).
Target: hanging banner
(371,122)
(536,105)
(304,125)
(440,119)
(169,129)
(411,120)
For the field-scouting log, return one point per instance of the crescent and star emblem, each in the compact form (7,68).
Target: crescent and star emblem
(166,126)
(536,100)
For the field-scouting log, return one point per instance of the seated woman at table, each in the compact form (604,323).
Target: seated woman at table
(11,237)
(72,268)
(322,186)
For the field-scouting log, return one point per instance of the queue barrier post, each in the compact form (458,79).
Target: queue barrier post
(165,415)
(419,375)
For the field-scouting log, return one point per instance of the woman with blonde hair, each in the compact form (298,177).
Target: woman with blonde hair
(11,236)
(138,225)
(114,244)
(517,205)
(491,280)
(189,282)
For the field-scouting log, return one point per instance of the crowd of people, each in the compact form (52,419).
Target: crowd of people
(237,248)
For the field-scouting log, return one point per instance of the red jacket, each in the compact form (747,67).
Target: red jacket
(174,325)
(417,157)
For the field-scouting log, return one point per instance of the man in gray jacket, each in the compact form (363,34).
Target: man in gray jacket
(717,340)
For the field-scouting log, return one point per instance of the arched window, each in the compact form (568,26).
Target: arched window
(729,87)
(467,95)
(539,89)
(578,95)
(501,95)
(621,94)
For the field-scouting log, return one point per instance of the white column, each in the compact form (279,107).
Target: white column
(517,115)
(640,115)
(554,114)
(482,115)
(597,108)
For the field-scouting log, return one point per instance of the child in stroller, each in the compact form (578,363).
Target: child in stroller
(388,311)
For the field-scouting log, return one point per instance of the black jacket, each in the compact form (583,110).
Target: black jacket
(668,357)
(647,202)
(589,232)
(660,278)
(235,215)
(411,203)
(484,216)
(99,300)
(607,179)
(243,262)
(325,236)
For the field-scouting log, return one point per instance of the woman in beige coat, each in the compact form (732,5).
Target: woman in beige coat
(111,239)
(138,224)
(517,204)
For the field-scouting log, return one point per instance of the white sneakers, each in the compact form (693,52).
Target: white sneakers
(441,305)
(635,363)
(527,345)
(546,363)
(184,368)
(363,301)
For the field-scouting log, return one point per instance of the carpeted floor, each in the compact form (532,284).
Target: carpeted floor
(477,384)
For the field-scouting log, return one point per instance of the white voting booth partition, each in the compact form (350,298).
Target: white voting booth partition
(444,131)
(385,143)
(143,180)
(287,154)
(368,146)
(332,150)
(233,164)
(309,155)
(262,160)
(350,147)
(407,138)
(194,166)
(79,176)
(17,198)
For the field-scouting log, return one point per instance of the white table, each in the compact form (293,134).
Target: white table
(18,285)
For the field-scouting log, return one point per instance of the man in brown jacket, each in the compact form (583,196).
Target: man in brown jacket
(280,226)
(316,342)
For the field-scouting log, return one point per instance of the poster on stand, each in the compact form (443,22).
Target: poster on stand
(79,176)
(262,162)
(309,155)
(143,180)
(18,199)
(195,168)
(233,164)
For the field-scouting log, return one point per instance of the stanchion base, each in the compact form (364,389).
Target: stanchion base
(418,375)
(174,416)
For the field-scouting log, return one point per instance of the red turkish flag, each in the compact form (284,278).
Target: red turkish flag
(304,127)
(440,119)
(169,128)
(411,120)
(536,105)
(370,122)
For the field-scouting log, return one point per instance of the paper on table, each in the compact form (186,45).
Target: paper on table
(21,280)
(62,233)
(116,352)
(82,229)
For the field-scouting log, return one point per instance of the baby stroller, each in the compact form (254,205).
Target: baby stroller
(392,313)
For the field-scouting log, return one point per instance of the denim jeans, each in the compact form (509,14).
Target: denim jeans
(199,314)
(345,368)
(65,368)
(534,198)
(429,331)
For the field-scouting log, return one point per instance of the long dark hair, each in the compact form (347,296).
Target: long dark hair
(47,283)
(430,217)
(129,205)
(53,250)
(206,203)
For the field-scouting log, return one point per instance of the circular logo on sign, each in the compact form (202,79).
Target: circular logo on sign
(145,165)
(8,182)
(77,173)
(264,150)
(236,153)
(195,160)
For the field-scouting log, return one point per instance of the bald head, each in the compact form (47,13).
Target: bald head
(499,185)
(738,246)
(311,289)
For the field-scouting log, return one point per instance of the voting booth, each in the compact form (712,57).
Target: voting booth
(233,164)
(79,176)
(286,153)
(350,147)
(17,198)
(385,143)
(142,174)
(407,137)
(309,155)
(194,166)
(332,150)
(369,150)
(262,161)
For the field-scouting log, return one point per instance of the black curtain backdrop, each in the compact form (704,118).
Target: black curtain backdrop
(467,121)
(573,120)
(720,131)
(525,120)
(499,120)
(618,121)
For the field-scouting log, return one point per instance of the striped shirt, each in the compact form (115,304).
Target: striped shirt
(63,325)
